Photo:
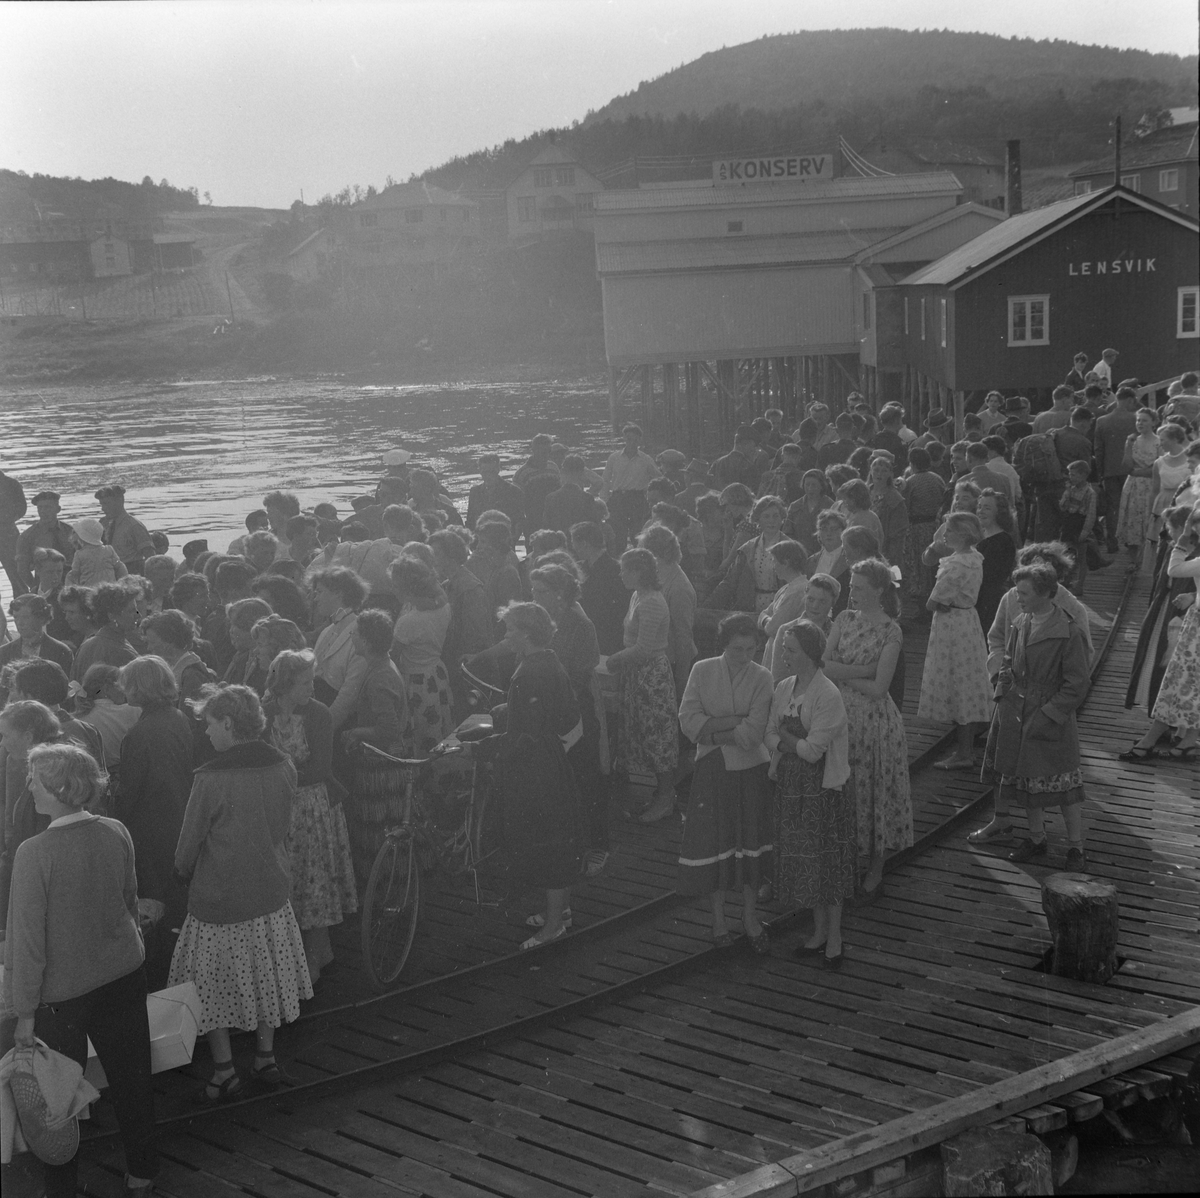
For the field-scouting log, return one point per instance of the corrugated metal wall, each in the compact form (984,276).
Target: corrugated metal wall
(728,314)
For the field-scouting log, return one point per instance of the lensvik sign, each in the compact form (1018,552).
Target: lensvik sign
(773,170)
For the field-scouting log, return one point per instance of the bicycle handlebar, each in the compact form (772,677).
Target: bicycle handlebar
(409,762)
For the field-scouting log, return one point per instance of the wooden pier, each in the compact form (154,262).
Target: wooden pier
(736,1075)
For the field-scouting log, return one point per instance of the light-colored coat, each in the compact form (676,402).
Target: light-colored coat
(823,714)
(709,694)
(1034,733)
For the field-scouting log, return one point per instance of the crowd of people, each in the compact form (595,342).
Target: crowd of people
(178,737)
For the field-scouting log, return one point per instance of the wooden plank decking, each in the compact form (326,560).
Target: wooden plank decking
(754,1059)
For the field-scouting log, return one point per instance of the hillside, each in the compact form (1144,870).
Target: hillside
(863,67)
(801,90)
(27,198)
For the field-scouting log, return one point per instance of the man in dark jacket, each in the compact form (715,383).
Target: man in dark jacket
(604,597)
(571,504)
(496,494)
(46,532)
(739,464)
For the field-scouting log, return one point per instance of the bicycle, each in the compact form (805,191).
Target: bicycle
(415,845)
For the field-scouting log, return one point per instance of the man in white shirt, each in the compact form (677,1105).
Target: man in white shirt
(1103,368)
(627,474)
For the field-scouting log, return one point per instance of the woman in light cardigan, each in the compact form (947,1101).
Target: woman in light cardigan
(816,834)
(728,829)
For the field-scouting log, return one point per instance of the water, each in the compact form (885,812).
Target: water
(196,457)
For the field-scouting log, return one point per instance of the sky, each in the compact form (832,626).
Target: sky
(259,102)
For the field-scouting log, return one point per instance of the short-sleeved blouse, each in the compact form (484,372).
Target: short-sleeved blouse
(959,578)
(419,637)
(647,622)
(860,642)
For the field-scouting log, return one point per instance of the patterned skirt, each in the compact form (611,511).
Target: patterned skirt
(430,709)
(727,831)
(245,973)
(1178,702)
(318,847)
(816,836)
(647,718)
(1052,790)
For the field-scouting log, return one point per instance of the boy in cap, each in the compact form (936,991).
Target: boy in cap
(495,494)
(129,537)
(46,532)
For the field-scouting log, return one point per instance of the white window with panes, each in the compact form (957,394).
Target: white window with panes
(1028,320)
(1133,182)
(526,208)
(1168,180)
(543,176)
(1185,312)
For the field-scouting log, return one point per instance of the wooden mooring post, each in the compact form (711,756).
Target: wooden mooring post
(1084,917)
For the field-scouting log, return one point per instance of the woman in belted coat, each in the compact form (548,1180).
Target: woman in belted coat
(1033,745)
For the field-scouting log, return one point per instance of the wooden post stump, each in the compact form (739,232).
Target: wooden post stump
(1083,915)
(990,1161)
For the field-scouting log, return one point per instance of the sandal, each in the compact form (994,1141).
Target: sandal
(1184,754)
(228,1090)
(541,938)
(271,1077)
(1137,753)
(539,920)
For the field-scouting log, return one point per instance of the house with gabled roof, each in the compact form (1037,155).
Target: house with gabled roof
(1162,165)
(1010,308)
(554,194)
(409,224)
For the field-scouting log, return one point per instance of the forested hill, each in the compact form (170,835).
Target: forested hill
(25,198)
(848,68)
(800,90)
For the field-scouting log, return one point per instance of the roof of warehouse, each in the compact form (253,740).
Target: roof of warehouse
(817,192)
(734,251)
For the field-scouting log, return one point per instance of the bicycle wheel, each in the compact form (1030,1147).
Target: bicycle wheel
(486,830)
(390,910)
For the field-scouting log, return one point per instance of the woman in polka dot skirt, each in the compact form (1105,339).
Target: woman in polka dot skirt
(240,943)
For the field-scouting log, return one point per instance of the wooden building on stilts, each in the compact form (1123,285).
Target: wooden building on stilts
(722,301)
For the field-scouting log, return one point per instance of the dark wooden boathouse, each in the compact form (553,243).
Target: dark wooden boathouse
(1009,309)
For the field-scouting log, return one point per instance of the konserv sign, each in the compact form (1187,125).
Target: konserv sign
(773,170)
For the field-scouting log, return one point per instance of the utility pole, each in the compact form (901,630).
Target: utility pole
(1117,151)
(229,296)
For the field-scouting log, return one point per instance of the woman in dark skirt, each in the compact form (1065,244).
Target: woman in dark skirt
(816,829)
(540,801)
(727,833)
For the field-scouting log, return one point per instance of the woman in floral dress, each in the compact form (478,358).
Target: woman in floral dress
(816,838)
(318,843)
(1136,513)
(647,709)
(954,685)
(1178,702)
(864,646)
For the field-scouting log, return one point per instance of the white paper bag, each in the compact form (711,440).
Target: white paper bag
(174,1016)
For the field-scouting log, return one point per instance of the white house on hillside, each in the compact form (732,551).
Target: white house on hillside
(553,194)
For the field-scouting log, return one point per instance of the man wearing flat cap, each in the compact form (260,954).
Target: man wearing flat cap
(46,532)
(129,537)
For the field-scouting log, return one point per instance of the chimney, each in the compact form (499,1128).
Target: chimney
(1012,177)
